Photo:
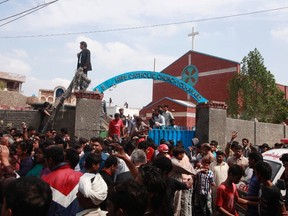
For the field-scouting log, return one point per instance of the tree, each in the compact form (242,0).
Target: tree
(254,93)
(2,85)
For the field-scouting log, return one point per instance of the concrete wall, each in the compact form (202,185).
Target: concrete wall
(13,118)
(257,132)
(210,121)
(268,133)
(66,118)
(243,127)
(212,124)
(88,113)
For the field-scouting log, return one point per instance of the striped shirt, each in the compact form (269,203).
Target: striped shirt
(204,179)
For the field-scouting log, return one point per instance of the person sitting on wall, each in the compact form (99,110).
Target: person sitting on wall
(159,119)
(43,113)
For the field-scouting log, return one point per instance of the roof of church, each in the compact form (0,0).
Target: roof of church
(180,102)
(205,54)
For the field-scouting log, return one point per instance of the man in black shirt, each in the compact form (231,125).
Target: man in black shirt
(270,199)
(107,173)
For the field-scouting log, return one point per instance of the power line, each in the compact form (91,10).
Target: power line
(4,1)
(148,26)
(19,13)
(26,12)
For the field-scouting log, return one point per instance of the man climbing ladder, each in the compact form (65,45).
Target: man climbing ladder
(80,80)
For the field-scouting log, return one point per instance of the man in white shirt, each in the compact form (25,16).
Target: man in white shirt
(167,115)
(220,170)
(159,119)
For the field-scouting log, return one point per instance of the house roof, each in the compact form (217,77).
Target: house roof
(180,102)
(12,76)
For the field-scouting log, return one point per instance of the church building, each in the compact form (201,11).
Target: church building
(212,81)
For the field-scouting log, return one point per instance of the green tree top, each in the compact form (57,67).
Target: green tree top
(254,93)
(2,85)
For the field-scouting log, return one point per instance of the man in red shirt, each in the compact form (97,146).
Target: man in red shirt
(116,127)
(227,193)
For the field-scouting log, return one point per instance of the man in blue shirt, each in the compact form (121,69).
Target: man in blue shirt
(254,184)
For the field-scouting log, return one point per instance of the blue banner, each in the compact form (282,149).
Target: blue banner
(150,75)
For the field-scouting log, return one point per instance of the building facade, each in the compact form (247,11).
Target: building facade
(11,81)
(214,74)
(50,95)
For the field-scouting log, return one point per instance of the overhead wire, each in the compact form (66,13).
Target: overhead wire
(4,1)
(14,15)
(148,26)
(25,13)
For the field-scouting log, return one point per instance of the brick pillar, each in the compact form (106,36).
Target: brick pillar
(211,122)
(87,115)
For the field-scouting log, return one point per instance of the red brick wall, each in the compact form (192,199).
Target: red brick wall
(284,89)
(176,109)
(212,87)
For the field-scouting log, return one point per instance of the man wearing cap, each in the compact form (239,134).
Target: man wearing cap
(163,151)
(91,192)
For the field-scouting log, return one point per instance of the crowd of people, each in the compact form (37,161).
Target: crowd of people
(125,126)
(127,174)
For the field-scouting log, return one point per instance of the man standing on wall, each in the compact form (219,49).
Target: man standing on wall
(85,64)
(84,58)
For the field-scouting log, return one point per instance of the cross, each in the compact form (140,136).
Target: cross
(193,34)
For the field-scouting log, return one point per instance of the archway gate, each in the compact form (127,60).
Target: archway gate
(114,81)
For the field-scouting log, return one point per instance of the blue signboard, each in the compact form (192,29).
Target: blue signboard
(150,75)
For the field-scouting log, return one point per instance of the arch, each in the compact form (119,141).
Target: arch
(43,98)
(50,99)
(150,75)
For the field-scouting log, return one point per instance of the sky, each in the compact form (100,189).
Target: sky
(50,61)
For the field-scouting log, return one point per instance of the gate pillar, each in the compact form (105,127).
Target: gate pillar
(88,112)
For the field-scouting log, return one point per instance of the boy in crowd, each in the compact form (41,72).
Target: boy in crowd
(270,200)
(227,193)
(204,181)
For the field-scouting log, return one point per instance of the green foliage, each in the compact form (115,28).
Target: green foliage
(2,85)
(254,93)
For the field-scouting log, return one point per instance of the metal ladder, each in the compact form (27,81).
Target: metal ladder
(79,79)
